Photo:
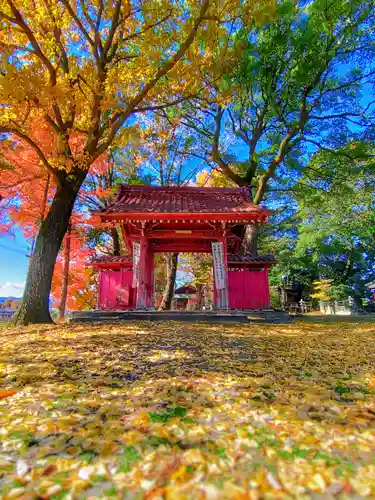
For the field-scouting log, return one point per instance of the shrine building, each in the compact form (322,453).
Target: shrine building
(182,219)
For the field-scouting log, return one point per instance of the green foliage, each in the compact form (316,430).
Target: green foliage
(329,236)
(296,87)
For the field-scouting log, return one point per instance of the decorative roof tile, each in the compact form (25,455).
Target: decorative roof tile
(185,290)
(250,259)
(188,199)
(110,259)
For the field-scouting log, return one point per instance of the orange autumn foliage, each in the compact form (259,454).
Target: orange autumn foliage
(25,183)
(27,190)
(81,278)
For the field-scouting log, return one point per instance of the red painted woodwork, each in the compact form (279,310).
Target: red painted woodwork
(150,263)
(149,200)
(248,289)
(115,290)
(113,262)
(144,275)
(182,219)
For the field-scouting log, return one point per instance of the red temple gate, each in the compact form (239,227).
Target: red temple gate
(182,219)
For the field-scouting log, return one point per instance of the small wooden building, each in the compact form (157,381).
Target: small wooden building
(184,298)
(183,219)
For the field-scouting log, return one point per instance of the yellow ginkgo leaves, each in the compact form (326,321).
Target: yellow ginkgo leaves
(177,411)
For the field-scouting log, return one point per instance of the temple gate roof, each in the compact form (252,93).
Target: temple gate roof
(152,200)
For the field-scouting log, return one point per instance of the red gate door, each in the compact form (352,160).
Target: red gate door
(248,289)
(115,290)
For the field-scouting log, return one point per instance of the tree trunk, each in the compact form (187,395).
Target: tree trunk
(65,278)
(115,241)
(200,294)
(35,303)
(172,260)
(250,240)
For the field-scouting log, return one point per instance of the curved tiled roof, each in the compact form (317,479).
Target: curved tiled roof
(232,258)
(111,259)
(250,259)
(188,199)
(186,289)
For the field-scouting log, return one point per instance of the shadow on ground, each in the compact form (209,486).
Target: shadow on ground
(86,393)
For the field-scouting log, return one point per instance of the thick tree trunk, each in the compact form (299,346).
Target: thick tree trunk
(115,242)
(65,278)
(172,260)
(35,304)
(250,240)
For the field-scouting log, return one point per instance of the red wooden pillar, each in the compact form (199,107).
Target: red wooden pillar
(267,289)
(99,304)
(143,273)
(150,278)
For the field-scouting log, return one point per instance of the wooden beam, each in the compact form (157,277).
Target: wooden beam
(181,246)
(126,239)
(180,234)
(258,215)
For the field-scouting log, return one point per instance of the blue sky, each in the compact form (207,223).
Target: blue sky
(13,264)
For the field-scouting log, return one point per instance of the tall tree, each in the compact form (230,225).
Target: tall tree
(28,191)
(330,234)
(297,88)
(90,67)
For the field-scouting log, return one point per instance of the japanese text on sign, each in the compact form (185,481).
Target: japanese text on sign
(136,255)
(218,262)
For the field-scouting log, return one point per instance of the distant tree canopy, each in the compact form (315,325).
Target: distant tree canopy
(299,85)
(330,233)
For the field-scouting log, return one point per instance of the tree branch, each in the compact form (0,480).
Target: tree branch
(332,117)
(28,179)
(82,29)
(114,26)
(162,106)
(18,19)
(237,179)
(35,147)
(120,118)
(337,152)
(275,162)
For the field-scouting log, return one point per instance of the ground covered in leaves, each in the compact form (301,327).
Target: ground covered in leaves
(180,411)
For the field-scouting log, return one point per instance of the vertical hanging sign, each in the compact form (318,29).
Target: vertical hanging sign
(136,256)
(218,262)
